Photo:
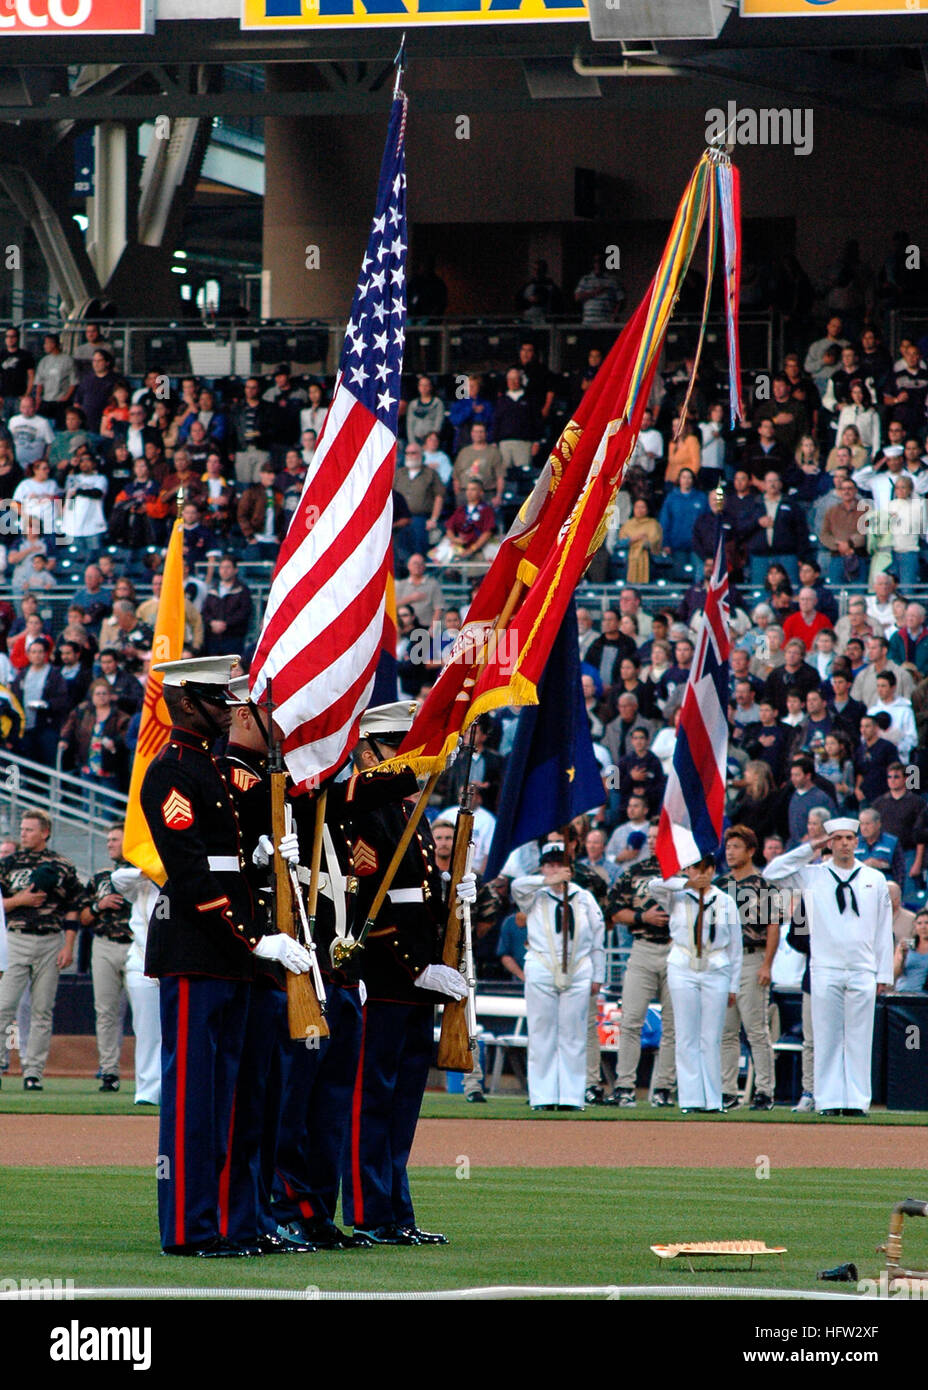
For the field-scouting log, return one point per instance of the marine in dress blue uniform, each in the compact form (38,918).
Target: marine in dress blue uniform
(400,959)
(202,938)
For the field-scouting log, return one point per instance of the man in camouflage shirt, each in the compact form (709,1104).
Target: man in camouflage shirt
(41,895)
(645,979)
(759,909)
(107,912)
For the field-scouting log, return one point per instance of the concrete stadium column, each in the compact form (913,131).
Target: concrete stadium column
(321,176)
(108,208)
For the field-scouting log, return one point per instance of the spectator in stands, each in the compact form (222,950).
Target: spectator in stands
(475,408)
(425,413)
(95,389)
(123,633)
(902,731)
(878,849)
(779,536)
(605,653)
(286,402)
(83,521)
(94,597)
(871,762)
(539,299)
(126,689)
(424,495)
(683,452)
(44,698)
(865,684)
(844,535)
(907,517)
(906,389)
(252,422)
(599,293)
(83,353)
(92,743)
(470,532)
(794,674)
(34,542)
(910,961)
(312,416)
(435,457)
(678,517)
(483,460)
(32,434)
(217,515)
(215,423)
(72,670)
(808,622)
(227,611)
(832,339)
(17,372)
(804,796)
(766,454)
(909,645)
(147,613)
(517,427)
(788,415)
(260,514)
(645,538)
(421,592)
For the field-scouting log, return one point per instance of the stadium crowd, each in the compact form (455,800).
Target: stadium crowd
(823,490)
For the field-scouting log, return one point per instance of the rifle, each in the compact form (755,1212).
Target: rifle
(304,1009)
(459,1016)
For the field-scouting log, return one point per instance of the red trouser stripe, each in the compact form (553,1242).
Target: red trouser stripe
(226,1176)
(305,1206)
(180,1138)
(356,1188)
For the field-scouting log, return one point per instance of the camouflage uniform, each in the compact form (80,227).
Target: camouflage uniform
(36,935)
(758,904)
(645,979)
(112,938)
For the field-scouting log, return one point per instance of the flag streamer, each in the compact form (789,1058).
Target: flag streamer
(498,660)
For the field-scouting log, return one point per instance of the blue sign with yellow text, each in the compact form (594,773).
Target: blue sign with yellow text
(314,14)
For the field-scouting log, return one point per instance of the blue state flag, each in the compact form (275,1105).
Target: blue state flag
(551,774)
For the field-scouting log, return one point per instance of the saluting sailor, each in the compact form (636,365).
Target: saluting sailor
(703,974)
(849,918)
(203,936)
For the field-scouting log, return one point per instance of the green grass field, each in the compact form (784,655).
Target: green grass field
(73,1096)
(556,1226)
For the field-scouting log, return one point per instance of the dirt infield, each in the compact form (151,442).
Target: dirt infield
(106,1141)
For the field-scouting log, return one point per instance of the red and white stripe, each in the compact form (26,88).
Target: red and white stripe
(322,631)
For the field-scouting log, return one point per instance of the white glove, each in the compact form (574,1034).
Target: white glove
(444,980)
(290,847)
(467,888)
(263,852)
(287,952)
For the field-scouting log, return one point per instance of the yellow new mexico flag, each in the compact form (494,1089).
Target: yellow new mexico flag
(167,645)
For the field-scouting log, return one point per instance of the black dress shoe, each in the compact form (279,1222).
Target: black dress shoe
(32,1083)
(222,1248)
(429,1237)
(853,1112)
(283,1245)
(109,1083)
(476,1098)
(829,1112)
(385,1235)
(219,1247)
(318,1231)
(729,1101)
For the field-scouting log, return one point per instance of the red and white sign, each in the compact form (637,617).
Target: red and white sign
(76,17)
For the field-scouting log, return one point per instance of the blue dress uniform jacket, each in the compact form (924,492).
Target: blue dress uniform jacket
(407,935)
(203,921)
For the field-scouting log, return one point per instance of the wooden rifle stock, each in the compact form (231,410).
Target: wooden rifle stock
(304,1014)
(454,1052)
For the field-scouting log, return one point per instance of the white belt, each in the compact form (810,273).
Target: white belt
(305,876)
(223,864)
(406,895)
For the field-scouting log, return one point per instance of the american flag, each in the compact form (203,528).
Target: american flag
(324,622)
(694,802)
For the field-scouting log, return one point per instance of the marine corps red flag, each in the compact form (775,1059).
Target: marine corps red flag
(502,648)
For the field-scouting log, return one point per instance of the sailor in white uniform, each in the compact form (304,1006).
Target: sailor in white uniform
(850,922)
(703,973)
(561,977)
(144,993)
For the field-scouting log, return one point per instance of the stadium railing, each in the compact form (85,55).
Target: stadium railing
(81,813)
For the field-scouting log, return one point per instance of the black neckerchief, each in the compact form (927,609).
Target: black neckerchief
(844,887)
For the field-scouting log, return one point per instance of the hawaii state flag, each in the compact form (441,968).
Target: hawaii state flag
(167,645)
(694,802)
